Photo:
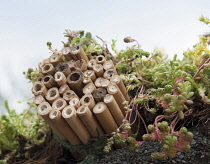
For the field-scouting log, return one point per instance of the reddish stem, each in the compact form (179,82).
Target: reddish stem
(201,67)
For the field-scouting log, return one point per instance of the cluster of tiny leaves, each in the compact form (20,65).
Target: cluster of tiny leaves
(171,142)
(17,128)
(172,84)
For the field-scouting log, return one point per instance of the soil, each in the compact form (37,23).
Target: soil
(198,154)
(52,152)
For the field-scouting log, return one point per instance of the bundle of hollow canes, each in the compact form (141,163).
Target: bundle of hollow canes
(79,96)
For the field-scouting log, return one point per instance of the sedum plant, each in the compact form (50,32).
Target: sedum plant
(20,131)
(165,91)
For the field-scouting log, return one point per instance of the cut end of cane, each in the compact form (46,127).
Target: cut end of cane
(53,114)
(74,101)
(89,88)
(59,104)
(82,110)
(68,112)
(108,98)
(109,73)
(99,107)
(44,108)
(74,77)
(112,89)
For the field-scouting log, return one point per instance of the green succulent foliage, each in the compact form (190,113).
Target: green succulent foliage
(129,58)
(17,128)
(32,74)
(171,142)
(141,100)
(133,144)
(118,138)
(204,20)
(86,40)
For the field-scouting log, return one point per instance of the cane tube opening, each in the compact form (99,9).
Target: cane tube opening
(52,93)
(46,67)
(99,94)
(87,99)
(44,108)
(108,98)
(99,107)
(62,67)
(53,114)
(46,79)
(58,76)
(109,73)
(68,111)
(89,88)
(100,59)
(75,49)
(75,76)
(59,104)
(37,87)
(108,65)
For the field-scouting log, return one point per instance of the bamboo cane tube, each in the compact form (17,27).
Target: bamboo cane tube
(63,89)
(59,104)
(45,61)
(86,116)
(81,65)
(116,79)
(87,80)
(115,91)
(43,110)
(91,63)
(70,115)
(71,64)
(98,82)
(91,56)
(41,64)
(39,89)
(66,51)
(39,79)
(99,70)
(100,59)
(49,81)
(114,108)
(108,65)
(105,83)
(109,73)
(99,94)
(59,121)
(69,94)
(38,99)
(105,118)
(88,100)
(52,94)
(47,68)
(63,67)
(75,79)
(91,74)
(78,51)
(75,102)
(89,88)
(55,58)
(60,78)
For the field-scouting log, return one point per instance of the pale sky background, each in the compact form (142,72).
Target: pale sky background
(26,26)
